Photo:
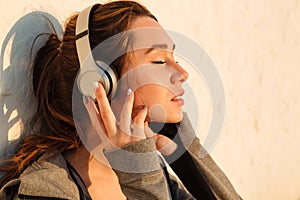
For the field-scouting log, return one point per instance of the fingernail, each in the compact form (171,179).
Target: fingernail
(96,85)
(129,91)
(85,99)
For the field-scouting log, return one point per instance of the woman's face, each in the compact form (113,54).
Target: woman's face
(158,73)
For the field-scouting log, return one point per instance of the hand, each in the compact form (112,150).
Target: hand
(113,134)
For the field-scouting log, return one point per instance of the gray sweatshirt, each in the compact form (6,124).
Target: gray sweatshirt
(49,176)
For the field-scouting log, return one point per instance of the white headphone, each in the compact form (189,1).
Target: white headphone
(91,70)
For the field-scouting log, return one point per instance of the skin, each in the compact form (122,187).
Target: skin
(100,179)
(161,56)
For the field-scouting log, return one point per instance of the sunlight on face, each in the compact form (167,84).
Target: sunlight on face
(163,75)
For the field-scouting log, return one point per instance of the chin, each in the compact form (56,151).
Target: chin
(174,118)
(162,114)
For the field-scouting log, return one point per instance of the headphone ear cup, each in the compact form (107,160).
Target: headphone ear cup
(86,80)
(109,77)
(99,72)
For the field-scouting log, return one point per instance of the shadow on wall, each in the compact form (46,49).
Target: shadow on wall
(16,96)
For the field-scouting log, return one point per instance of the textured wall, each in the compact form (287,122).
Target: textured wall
(255,46)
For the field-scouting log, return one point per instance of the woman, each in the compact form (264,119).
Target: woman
(53,163)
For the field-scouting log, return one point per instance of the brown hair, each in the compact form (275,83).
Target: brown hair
(54,71)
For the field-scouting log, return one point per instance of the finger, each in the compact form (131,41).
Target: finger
(165,145)
(105,110)
(94,118)
(148,131)
(138,123)
(125,116)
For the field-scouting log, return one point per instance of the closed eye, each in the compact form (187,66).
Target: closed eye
(158,62)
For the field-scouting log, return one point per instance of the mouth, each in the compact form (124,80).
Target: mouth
(177,98)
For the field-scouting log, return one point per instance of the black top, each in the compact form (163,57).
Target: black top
(84,194)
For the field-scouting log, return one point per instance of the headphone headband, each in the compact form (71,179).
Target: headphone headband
(82,33)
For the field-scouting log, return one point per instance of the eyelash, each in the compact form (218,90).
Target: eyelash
(158,62)
(161,62)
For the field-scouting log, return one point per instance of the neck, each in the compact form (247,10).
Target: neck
(90,166)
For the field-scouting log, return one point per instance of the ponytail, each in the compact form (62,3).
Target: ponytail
(52,125)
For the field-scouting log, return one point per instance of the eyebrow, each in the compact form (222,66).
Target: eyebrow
(159,46)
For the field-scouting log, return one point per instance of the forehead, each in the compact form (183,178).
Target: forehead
(144,22)
(145,32)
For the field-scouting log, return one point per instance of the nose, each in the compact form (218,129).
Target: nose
(179,75)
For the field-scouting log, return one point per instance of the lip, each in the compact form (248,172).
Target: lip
(178,100)
(179,94)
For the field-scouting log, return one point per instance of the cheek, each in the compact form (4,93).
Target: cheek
(157,99)
(151,94)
